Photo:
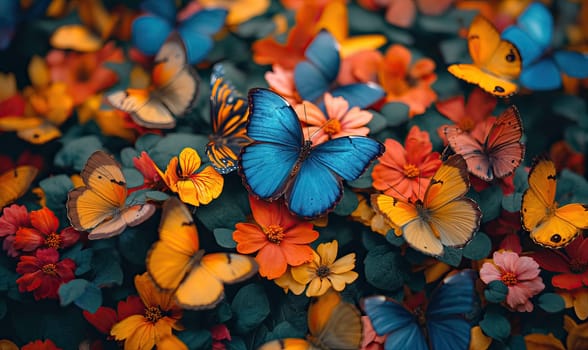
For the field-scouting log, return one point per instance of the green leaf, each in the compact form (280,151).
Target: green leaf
(393,239)
(512,202)
(75,153)
(135,242)
(551,302)
(395,113)
(107,268)
(227,210)
(385,269)
(171,146)
(479,247)
(196,338)
(365,179)
(495,325)
(496,292)
(378,122)
(250,307)
(82,293)
(133,176)
(347,204)
(490,203)
(236,343)
(224,237)
(451,256)
(7,275)
(146,142)
(284,330)
(3,308)
(56,189)
(82,258)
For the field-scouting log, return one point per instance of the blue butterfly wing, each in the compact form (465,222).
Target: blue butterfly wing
(162,8)
(149,32)
(197,30)
(389,317)
(529,50)
(314,76)
(274,128)
(360,95)
(446,324)
(541,75)
(574,64)
(453,333)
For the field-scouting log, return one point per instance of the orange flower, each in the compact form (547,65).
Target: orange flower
(406,171)
(84,73)
(340,119)
(406,82)
(194,187)
(161,315)
(280,238)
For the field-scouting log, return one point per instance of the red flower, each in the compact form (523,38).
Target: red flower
(40,345)
(105,317)
(44,233)
(146,167)
(219,333)
(572,266)
(14,217)
(43,273)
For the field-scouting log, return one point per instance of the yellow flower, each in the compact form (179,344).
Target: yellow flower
(288,283)
(366,215)
(538,341)
(577,334)
(160,316)
(324,272)
(183,178)
(577,298)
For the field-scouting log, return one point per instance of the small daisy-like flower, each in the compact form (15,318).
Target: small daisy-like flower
(325,272)
(339,121)
(519,273)
(43,273)
(280,238)
(13,218)
(44,233)
(194,187)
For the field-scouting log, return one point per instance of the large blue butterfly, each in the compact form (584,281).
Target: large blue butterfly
(316,75)
(542,66)
(280,162)
(150,31)
(445,324)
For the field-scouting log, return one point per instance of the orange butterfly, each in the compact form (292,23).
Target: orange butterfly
(174,89)
(175,262)
(100,206)
(14,183)
(497,62)
(332,323)
(550,225)
(444,217)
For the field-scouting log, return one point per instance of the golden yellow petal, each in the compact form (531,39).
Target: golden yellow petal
(6,344)
(340,280)
(479,340)
(171,343)
(328,252)
(88,109)
(7,86)
(581,304)
(288,283)
(39,72)
(344,264)
(318,287)
(127,327)
(304,273)
(543,342)
(189,161)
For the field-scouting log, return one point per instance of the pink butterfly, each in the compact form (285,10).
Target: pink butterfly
(499,155)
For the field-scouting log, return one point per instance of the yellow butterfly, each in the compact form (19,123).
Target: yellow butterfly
(332,323)
(174,89)
(175,262)
(443,218)
(99,207)
(497,62)
(550,226)
(14,183)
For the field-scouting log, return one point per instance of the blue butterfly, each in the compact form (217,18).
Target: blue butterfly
(317,75)
(150,31)
(12,13)
(542,66)
(280,162)
(445,325)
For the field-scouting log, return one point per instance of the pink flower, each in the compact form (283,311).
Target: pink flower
(281,80)
(44,233)
(371,340)
(407,170)
(14,217)
(519,273)
(340,120)
(219,333)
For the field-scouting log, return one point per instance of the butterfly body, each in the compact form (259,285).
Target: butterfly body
(100,205)
(549,224)
(229,114)
(279,162)
(441,325)
(501,151)
(173,92)
(496,62)
(444,217)
(176,262)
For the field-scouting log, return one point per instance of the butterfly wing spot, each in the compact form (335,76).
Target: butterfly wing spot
(499,89)
(511,57)
(556,238)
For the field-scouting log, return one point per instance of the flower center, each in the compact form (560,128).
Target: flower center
(466,124)
(332,127)
(411,171)
(153,314)
(509,278)
(274,233)
(49,269)
(577,266)
(53,240)
(323,271)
